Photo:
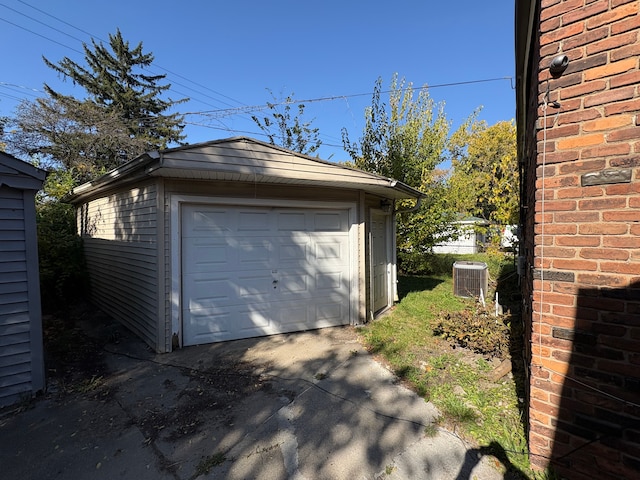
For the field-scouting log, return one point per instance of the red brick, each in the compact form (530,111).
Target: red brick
(585,38)
(578,217)
(558,229)
(561,33)
(559,132)
(556,252)
(625,162)
(580,141)
(539,441)
(559,299)
(581,115)
(612,43)
(583,89)
(608,123)
(603,229)
(619,368)
(566,80)
(584,12)
(582,167)
(624,134)
(621,242)
(632,23)
(585,265)
(546,408)
(565,287)
(625,52)
(601,304)
(604,254)
(560,157)
(621,216)
(631,78)
(541,429)
(546,385)
(623,189)
(580,192)
(578,241)
(610,96)
(605,150)
(539,395)
(546,218)
(621,107)
(619,267)
(630,318)
(559,8)
(550,24)
(561,182)
(613,16)
(600,280)
(560,206)
(606,203)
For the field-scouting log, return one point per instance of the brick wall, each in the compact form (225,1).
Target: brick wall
(581,218)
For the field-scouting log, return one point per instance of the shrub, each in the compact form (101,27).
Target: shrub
(63,276)
(477,329)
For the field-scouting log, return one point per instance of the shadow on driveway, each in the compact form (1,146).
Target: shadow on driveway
(309,405)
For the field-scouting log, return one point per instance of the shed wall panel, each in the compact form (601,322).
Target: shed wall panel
(15,358)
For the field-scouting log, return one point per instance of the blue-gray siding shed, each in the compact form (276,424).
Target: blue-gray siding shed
(21,349)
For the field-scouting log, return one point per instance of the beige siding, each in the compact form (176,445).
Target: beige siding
(15,328)
(119,232)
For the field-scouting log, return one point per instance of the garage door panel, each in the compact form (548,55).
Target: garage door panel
(254,254)
(291,221)
(206,326)
(207,222)
(256,287)
(251,221)
(209,292)
(204,255)
(330,312)
(331,221)
(331,281)
(293,283)
(267,271)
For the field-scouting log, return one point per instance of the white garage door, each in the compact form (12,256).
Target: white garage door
(253,271)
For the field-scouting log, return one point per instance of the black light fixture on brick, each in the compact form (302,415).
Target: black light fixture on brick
(558,65)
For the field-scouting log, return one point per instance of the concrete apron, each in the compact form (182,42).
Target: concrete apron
(316,405)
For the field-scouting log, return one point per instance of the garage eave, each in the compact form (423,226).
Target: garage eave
(380,186)
(243,159)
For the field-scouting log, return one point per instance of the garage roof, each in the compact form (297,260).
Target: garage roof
(244,159)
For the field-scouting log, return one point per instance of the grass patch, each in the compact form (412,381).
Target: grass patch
(457,380)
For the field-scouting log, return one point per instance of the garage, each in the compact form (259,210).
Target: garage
(237,238)
(254,271)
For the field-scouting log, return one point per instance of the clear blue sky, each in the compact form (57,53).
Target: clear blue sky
(227,54)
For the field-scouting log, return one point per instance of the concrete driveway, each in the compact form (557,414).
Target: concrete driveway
(311,405)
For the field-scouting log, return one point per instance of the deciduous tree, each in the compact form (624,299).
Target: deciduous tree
(484,180)
(288,130)
(407,140)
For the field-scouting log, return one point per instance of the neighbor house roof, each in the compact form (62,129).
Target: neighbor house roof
(244,159)
(18,174)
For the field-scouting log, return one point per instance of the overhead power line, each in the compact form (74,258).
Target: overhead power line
(226,112)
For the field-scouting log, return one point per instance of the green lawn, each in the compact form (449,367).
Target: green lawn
(457,380)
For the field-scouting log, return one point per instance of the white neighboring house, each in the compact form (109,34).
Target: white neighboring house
(469,240)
